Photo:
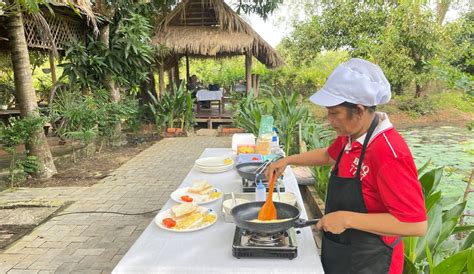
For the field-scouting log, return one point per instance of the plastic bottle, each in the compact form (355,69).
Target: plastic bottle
(260,192)
(275,145)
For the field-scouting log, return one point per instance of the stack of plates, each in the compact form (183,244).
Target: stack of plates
(214,164)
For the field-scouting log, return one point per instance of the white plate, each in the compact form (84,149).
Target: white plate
(213,170)
(198,199)
(167,214)
(204,167)
(214,162)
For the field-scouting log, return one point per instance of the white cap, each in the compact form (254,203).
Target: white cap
(356,81)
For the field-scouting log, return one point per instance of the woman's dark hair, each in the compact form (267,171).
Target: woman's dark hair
(352,108)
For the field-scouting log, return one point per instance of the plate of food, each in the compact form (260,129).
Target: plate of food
(201,192)
(186,217)
(214,162)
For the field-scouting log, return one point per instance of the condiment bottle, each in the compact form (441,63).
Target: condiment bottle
(260,192)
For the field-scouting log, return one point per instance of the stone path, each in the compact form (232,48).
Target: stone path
(94,243)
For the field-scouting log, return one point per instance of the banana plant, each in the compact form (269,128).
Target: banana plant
(249,113)
(288,113)
(439,251)
(172,108)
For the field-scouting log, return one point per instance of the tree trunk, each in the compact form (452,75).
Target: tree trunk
(442,7)
(52,67)
(398,89)
(26,94)
(248,71)
(418,91)
(109,83)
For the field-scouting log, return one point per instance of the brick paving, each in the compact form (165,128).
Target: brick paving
(94,243)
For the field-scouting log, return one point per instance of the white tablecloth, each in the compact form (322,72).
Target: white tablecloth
(210,250)
(209,95)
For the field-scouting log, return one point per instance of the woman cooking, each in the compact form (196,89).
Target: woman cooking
(373,197)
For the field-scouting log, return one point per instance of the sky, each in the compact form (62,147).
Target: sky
(270,31)
(278,25)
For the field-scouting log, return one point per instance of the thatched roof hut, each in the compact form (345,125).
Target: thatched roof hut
(65,25)
(210,28)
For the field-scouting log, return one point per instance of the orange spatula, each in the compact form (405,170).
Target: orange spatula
(268,211)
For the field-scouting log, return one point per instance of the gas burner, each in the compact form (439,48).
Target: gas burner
(250,244)
(250,185)
(259,239)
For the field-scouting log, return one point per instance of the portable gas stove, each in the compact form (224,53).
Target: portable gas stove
(250,185)
(254,245)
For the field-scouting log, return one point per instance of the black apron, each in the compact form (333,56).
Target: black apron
(353,251)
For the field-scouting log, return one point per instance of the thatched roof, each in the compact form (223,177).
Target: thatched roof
(211,28)
(72,19)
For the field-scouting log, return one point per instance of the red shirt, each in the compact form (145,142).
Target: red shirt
(389,180)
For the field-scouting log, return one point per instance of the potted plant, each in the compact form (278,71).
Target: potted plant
(5,99)
(173,109)
(6,94)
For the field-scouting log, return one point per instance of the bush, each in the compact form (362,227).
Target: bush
(17,132)
(416,106)
(173,109)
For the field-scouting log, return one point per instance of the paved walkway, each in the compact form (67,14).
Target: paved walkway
(94,243)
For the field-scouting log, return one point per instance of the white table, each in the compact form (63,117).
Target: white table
(209,95)
(210,250)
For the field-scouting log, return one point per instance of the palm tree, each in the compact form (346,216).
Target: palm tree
(26,95)
(25,92)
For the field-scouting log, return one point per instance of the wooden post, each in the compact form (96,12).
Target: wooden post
(171,79)
(254,78)
(176,72)
(257,84)
(52,67)
(161,80)
(248,71)
(188,77)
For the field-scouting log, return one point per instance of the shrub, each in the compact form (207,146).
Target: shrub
(416,106)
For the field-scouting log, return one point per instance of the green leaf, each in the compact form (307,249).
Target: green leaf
(450,220)
(470,261)
(409,267)
(429,258)
(423,167)
(463,228)
(432,199)
(468,242)
(453,264)
(434,228)
(430,180)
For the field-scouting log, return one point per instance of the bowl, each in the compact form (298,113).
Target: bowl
(227,204)
(285,197)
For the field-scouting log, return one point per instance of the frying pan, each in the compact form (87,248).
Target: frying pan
(244,213)
(247,171)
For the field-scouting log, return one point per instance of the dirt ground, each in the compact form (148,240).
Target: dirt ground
(441,118)
(90,170)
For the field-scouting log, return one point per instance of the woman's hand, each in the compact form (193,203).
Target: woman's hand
(334,222)
(278,167)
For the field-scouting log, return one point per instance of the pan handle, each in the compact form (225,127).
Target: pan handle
(304,223)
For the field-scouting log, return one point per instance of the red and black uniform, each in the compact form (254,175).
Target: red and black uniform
(378,176)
